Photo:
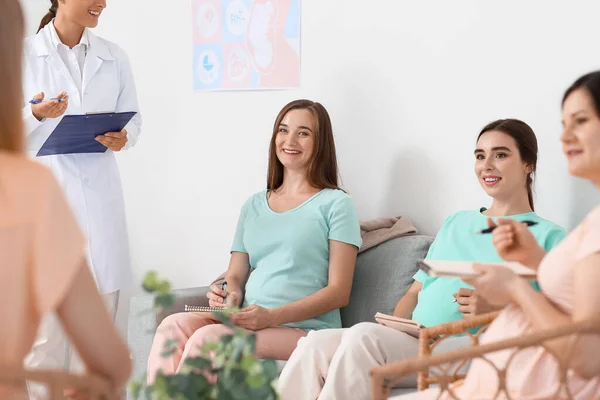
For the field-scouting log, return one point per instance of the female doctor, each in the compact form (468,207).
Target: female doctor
(66,61)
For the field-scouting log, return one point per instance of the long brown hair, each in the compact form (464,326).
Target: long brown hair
(322,167)
(12,32)
(526,143)
(49,15)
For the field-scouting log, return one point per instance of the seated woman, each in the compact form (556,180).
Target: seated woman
(335,364)
(300,237)
(42,251)
(569,277)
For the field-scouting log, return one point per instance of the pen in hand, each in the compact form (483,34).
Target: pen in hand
(59,99)
(224,289)
(226,299)
(491,229)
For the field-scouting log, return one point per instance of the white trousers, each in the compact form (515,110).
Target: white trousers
(334,364)
(53,350)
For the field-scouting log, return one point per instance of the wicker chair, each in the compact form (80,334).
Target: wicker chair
(443,332)
(446,365)
(92,387)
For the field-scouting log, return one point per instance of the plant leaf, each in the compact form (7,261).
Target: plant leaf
(164,301)
(136,388)
(219,360)
(163,287)
(211,346)
(168,353)
(256,381)
(252,342)
(198,362)
(226,339)
(248,362)
(150,281)
(269,368)
(160,386)
(224,319)
(170,343)
(234,384)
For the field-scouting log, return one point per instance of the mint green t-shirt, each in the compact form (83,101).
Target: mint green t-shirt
(457,241)
(289,252)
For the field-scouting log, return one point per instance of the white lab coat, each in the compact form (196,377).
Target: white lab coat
(91,182)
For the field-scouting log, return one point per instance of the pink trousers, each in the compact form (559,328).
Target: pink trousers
(192,331)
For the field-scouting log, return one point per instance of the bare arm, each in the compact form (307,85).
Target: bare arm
(408,302)
(342,260)
(88,324)
(544,315)
(239,268)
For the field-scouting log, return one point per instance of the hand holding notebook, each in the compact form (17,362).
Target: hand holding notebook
(408,326)
(76,134)
(464,269)
(216,295)
(400,324)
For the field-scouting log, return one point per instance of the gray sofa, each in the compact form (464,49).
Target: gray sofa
(383,274)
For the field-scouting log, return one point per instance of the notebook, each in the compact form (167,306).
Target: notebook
(400,324)
(205,310)
(76,134)
(464,269)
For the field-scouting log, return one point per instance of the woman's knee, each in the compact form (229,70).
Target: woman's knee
(181,324)
(313,341)
(208,333)
(169,321)
(360,335)
(321,343)
(362,331)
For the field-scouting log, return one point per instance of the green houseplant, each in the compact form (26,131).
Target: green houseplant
(226,370)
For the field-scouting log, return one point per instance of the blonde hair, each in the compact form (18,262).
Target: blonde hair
(12,32)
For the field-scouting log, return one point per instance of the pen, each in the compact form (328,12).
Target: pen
(224,288)
(489,230)
(44,101)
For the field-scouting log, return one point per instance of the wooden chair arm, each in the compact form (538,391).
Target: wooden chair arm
(383,378)
(442,332)
(457,327)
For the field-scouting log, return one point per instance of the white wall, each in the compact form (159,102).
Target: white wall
(408,86)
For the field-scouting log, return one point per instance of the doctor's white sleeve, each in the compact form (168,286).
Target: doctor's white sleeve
(31,123)
(128,101)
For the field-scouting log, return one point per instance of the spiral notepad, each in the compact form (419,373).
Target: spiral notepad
(203,309)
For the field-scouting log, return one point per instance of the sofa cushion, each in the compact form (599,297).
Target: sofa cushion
(383,274)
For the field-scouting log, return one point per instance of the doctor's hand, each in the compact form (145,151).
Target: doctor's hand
(113,140)
(49,109)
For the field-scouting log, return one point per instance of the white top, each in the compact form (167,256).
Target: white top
(91,182)
(74,58)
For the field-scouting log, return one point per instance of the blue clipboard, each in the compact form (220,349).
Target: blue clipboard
(75,134)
